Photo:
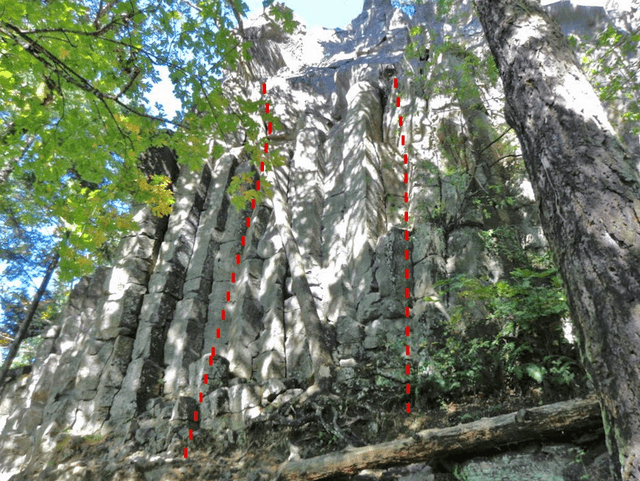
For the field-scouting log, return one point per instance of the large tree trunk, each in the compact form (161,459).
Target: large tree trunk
(24,328)
(588,190)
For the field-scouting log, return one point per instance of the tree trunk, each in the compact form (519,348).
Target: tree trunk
(481,436)
(27,322)
(588,189)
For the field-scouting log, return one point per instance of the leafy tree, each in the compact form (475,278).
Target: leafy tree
(74,121)
(74,75)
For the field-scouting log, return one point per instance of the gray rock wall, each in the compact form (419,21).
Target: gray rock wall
(135,340)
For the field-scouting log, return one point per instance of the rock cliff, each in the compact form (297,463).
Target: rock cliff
(121,374)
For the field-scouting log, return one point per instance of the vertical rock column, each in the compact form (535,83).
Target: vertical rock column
(200,287)
(354,208)
(143,378)
(244,314)
(45,400)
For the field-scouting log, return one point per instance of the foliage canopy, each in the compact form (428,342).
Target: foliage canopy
(74,119)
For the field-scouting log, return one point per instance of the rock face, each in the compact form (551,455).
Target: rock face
(135,340)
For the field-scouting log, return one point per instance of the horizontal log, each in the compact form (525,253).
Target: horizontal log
(486,434)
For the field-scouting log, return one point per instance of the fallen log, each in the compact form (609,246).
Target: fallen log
(487,434)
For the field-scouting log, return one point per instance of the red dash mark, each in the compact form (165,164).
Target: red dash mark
(218,333)
(400,120)
(406,292)
(407,370)
(406,178)
(206,377)
(257,185)
(253,203)
(213,351)
(267,107)
(407,331)
(264,88)
(406,254)
(395,83)
(397,101)
(261,166)
(185,452)
(233,276)
(270,127)
(200,397)
(408,408)
(195,416)
(406,273)
(408,388)
(190,433)
(406,159)
(210,360)
(242,240)
(407,313)
(266,147)
(228,296)
(237,258)
(406,197)
(224,314)
(406,235)
(248,222)
(408,350)
(406,216)
(403,140)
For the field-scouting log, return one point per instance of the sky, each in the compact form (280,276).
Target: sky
(325,13)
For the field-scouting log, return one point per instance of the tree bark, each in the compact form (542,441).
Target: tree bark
(27,322)
(476,437)
(588,189)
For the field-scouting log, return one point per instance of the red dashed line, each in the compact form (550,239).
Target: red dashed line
(233,274)
(406,252)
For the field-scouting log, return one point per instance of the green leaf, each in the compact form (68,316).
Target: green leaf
(536,372)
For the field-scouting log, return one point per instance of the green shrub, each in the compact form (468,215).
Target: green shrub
(516,345)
